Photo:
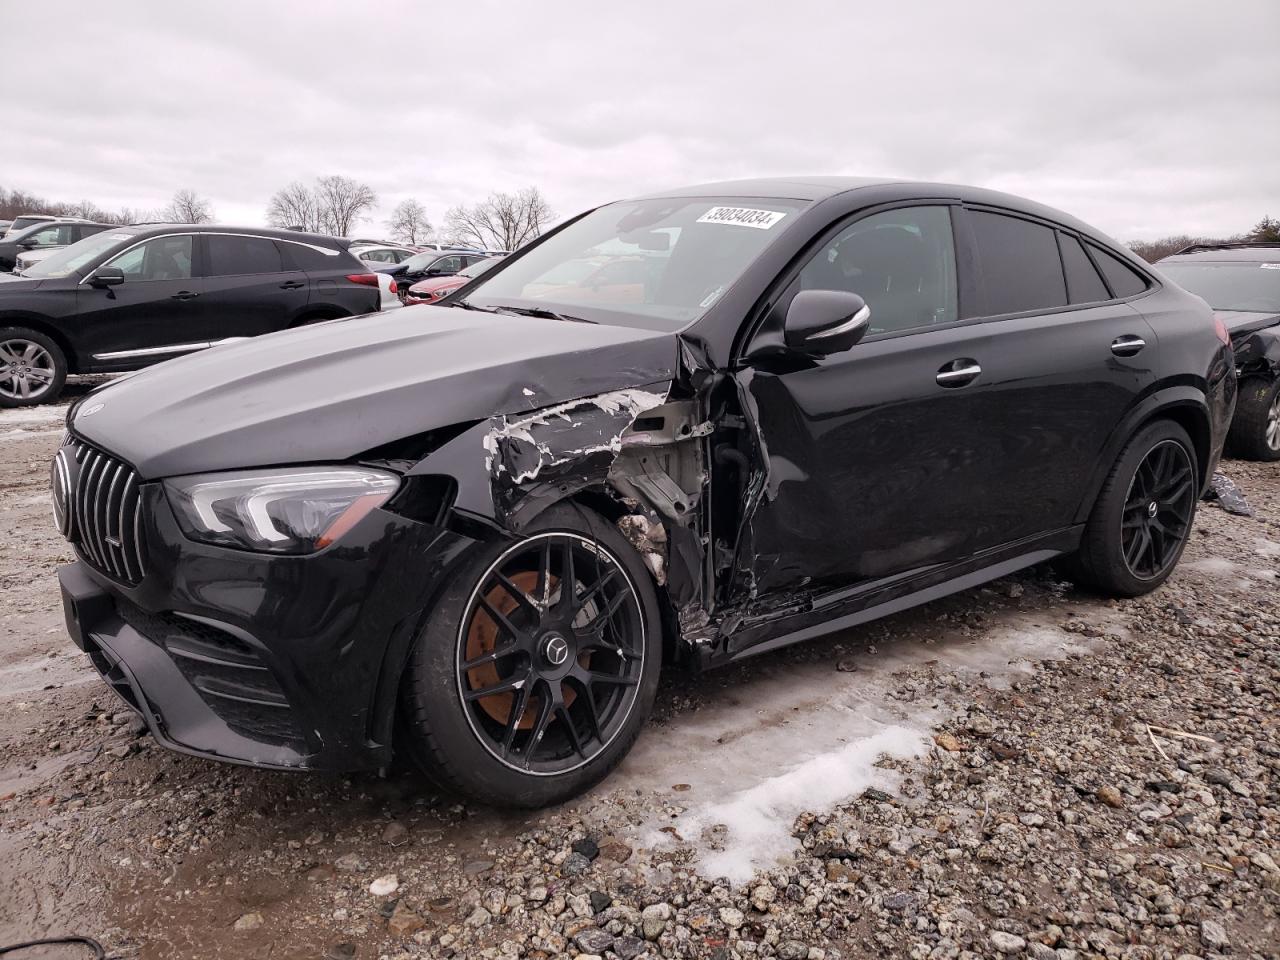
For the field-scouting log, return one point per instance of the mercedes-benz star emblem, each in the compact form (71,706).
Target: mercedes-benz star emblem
(60,480)
(556,651)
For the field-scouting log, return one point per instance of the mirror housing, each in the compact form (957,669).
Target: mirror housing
(107,277)
(822,322)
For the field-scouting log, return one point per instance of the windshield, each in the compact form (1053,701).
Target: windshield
(651,263)
(70,259)
(1230,285)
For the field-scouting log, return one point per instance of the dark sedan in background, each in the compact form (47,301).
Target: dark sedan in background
(1241,281)
(473,533)
(132,296)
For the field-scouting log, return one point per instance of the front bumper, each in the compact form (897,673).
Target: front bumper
(272,661)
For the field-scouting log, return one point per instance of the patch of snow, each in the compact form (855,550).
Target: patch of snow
(805,736)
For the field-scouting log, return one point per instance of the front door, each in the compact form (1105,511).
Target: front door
(155,314)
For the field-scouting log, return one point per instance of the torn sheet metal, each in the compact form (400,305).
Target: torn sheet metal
(1225,494)
(537,458)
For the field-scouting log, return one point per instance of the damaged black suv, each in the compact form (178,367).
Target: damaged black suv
(474,532)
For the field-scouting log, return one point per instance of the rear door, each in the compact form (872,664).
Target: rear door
(1068,358)
(155,314)
(327,271)
(249,290)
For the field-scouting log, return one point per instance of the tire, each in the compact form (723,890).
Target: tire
(1114,532)
(1255,429)
(489,747)
(33,368)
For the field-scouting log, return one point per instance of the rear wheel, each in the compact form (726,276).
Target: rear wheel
(1142,518)
(1255,430)
(32,368)
(539,665)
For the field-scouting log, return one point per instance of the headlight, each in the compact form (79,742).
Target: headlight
(294,511)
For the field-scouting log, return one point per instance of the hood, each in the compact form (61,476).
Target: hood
(334,390)
(1246,321)
(28,283)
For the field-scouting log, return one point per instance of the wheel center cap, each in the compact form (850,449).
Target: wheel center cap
(1153,508)
(555,649)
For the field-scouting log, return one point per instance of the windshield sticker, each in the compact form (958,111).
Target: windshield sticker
(1270,266)
(742,217)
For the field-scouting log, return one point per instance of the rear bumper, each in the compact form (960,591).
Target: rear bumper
(279,662)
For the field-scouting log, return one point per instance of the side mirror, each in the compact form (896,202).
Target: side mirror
(822,322)
(107,277)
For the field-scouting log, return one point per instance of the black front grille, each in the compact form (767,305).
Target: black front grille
(102,511)
(228,674)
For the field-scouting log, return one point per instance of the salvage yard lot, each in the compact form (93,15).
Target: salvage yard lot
(1019,769)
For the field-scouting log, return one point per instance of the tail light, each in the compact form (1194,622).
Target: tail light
(395,288)
(1221,330)
(364,279)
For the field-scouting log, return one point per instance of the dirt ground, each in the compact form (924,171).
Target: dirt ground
(1020,769)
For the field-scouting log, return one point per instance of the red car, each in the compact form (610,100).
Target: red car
(429,291)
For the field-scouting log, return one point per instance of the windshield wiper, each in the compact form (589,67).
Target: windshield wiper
(544,313)
(465,305)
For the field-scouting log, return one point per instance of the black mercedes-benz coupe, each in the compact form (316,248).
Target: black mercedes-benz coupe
(474,532)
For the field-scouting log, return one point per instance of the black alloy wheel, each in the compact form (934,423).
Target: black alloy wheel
(1142,517)
(550,653)
(537,664)
(1158,510)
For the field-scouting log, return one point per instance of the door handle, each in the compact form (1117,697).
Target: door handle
(957,373)
(184,295)
(292,285)
(1127,346)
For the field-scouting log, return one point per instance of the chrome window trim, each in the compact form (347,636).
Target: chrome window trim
(327,251)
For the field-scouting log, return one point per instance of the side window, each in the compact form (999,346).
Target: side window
(55,236)
(164,258)
(447,265)
(901,262)
(236,256)
(306,257)
(1021,267)
(1083,283)
(1123,279)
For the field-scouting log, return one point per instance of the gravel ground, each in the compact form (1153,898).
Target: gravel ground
(1021,770)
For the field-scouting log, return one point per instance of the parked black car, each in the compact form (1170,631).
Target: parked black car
(132,296)
(39,235)
(1241,281)
(474,532)
(425,266)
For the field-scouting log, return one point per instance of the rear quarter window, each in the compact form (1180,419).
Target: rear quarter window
(312,260)
(1122,278)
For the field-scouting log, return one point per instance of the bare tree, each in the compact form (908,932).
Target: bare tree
(187,207)
(342,202)
(295,207)
(409,223)
(334,205)
(504,221)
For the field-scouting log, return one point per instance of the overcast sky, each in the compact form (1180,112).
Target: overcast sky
(1144,118)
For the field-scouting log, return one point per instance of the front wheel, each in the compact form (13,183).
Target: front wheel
(1255,429)
(537,668)
(32,368)
(1142,518)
